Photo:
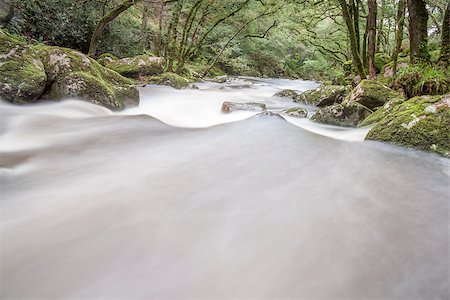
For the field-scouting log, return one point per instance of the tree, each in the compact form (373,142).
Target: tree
(144,25)
(418,30)
(372,28)
(445,49)
(352,36)
(398,34)
(111,15)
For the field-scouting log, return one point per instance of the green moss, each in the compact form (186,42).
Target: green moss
(421,122)
(171,79)
(138,66)
(324,95)
(381,59)
(106,58)
(347,115)
(372,94)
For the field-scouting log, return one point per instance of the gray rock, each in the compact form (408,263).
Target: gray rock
(228,107)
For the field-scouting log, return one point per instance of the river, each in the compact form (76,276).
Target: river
(174,199)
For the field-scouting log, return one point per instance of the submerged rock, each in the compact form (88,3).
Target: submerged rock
(170,79)
(135,67)
(287,94)
(348,115)
(228,107)
(372,94)
(298,112)
(422,122)
(324,95)
(32,72)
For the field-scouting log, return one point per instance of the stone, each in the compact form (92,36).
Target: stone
(372,94)
(324,95)
(137,66)
(298,112)
(228,107)
(348,115)
(287,94)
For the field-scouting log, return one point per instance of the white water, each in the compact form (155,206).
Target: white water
(102,205)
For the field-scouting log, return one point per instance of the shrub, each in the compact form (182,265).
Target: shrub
(421,79)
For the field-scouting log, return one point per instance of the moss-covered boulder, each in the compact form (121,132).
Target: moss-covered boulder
(349,115)
(422,122)
(298,112)
(372,94)
(291,94)
(381,59)
(22,73)
(138,66)
(324,95)
(106,58)
(170,79)
(32,72)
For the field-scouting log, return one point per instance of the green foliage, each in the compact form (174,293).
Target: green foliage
(422,79)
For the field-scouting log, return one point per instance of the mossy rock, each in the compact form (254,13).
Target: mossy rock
(170,79)
(22,74)
(298,112)
(372,94)
(324,95)
(381,59)
(106,58)
(349,115)
(422,123)
(32,72)
(381,112)
(138,66)
(287,94)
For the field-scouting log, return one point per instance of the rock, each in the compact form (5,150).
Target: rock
(106,58)
(220,79)
(298,112)
(381,59)
(287,94)
(170,79)
(342,115)
(32,72)
(372,94)
(22,74)
(324,95)
(137,66)
(422,123)
(228,107)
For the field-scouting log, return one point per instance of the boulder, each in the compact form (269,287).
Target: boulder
(106,58)
(170,79)
(137,66)
(421,122)
(372,94)
(348,115)
(298,112)
(22,73)
(228,107)
(324,95)
(33,72)
(287,94)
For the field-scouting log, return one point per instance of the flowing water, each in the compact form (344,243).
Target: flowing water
(174,199)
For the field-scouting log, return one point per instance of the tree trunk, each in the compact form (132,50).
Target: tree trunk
(114,13)
(398,34)
(144,25)
(445,49)
(418,31)
(352,36)
(372,29)
(381,25)
(171,42)
(9,16)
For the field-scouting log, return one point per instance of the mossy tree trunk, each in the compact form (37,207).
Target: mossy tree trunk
(144,25)
(418,30)
(353,40)
(111,15)
(401,10)
(445,49)
(372,29)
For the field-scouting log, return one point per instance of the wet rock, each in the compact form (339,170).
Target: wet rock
(421,122)
(324,95)
(349,115)
(297,112)
(170,79)
(372,94)
(228,107)
(137,66)
(287,94)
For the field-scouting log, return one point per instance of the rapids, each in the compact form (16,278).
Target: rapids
(174,199)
